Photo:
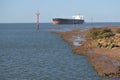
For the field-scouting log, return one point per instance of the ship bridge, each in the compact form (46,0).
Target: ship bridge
(78,17)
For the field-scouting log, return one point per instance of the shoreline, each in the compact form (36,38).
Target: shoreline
(105,61)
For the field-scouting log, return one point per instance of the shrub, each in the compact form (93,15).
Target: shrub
(104,35)
(105,30)
(92,33)
(97,33)
(118,30)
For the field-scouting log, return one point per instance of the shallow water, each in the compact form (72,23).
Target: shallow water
(27,54)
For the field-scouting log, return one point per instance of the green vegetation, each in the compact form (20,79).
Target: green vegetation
(98,33)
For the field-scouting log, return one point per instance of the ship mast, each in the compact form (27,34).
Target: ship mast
(37,21)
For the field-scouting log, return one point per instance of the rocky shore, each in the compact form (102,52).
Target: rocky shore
(100,45)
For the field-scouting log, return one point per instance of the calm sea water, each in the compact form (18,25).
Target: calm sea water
(27,54)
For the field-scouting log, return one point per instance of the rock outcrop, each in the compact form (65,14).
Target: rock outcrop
(111,42)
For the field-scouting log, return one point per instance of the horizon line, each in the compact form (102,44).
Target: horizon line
(51,22)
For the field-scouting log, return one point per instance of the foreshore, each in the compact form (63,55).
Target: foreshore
(105,60)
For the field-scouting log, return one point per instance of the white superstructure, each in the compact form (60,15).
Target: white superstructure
(78,17)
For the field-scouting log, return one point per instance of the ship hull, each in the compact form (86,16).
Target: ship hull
(67,21)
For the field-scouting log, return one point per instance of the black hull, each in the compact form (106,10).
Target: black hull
(67,21)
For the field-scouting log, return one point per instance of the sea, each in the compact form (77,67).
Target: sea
(30,54)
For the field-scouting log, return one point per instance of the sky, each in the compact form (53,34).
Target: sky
(24,11)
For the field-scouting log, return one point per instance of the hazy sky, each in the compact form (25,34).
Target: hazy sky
(24,10)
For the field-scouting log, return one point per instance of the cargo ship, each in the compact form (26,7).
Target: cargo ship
(77,19)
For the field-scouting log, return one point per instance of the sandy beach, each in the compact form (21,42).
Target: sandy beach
(106,61)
